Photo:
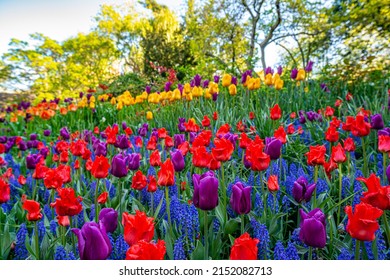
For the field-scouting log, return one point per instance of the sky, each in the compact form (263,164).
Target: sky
(61,19)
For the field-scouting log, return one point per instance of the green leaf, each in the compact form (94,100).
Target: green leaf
(198,253)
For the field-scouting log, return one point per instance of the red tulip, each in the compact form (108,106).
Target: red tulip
(67,204)
(244,141)
(349,145)
(152,186)
(33,208)
(223,149)
(102,198)
(276,112)
(251,115)
(362,224)
(376,195)
(205,121)
(5,191)
(147,251)
(280,134)
(331,134)
(137,227)
(338,154)
(223,130)
(200,157)
(273,185)
(100,167)
(384,143)
(155,158)
(139,181)
(360,127)
(166,175)
(244,248)
(316,155)
(52,180)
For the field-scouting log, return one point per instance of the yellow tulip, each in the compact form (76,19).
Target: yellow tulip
(213,88)
(226,80)
(306,89)
(256,83)
(92,105)
(119,106)
(301,75)
(149,115)
(279,84)
(176,94)
(187,88)
(232,89)
(113,101)
(207,94)
(268,79)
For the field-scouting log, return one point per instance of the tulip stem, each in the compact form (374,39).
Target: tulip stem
(340,192)
(384,156)
(357,249)
(387,229)
(242,224)
(224,191)
(36,240)
(52,201)
(310,257)
(73,240)
(206,237)
(168,208)
(151,204)
(364,158)
(96,203)
(315,189)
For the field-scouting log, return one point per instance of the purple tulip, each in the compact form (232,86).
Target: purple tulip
(100,149)
(234,80)
(197,80)
(143,130)
(206,83)
(309,66)
(178,160)
(167,86)
(377,122)
(148,89)
(32,160)
(192,137)
(93,242)
(32,144)
(231,137)
(47,132)
(3,139)
(302,191)
(64,133)
(385,131)
(178,139)
(311,115)
(215,96)
(216,79)
(180,87)
(247,164)
(119,166)
(302,118)
(294,73)
(44,152)
(81,94)
(122,142)
(108,217)
(240,199)
(273,147)
(22,146)
(124,125)
(33,137)
(269,70)
(134,161)
(192,83)
(180,125)
(280,70)
(205,195)
(313,228)
(388,173)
